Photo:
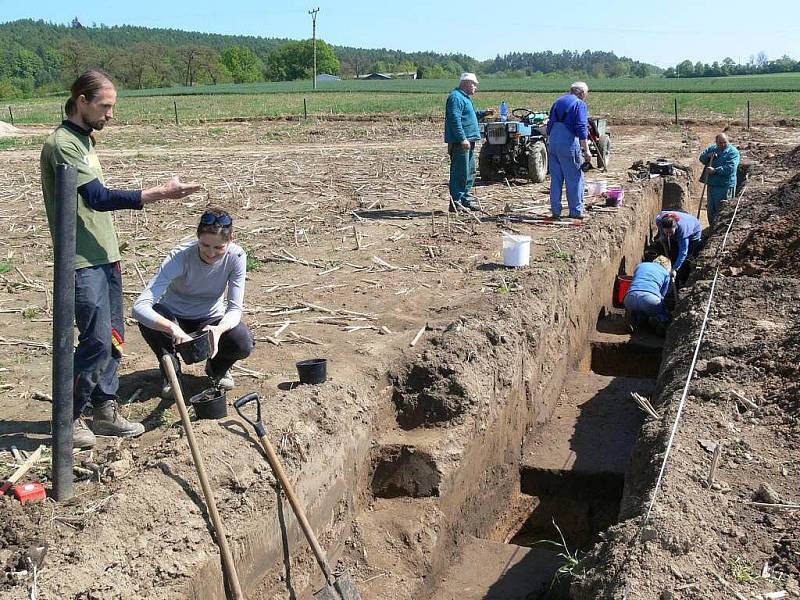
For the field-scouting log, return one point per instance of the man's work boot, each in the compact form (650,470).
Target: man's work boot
(108,421)
(82,436)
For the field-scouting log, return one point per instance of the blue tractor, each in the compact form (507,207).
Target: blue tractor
(514,149)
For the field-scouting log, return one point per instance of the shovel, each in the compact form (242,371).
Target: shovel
(336,588)
(228,565)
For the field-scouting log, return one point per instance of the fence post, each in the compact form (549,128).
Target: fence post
(305,109)
(676,111)
(63,336)
(11,114)
(748,115)
(176,112)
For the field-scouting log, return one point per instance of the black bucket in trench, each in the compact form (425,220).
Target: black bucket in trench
(210,404)
(313,370)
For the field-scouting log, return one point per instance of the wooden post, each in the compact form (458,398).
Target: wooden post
(676,111)
(176,112)
(748,115)
(62,113)
(11,114)
(305,109)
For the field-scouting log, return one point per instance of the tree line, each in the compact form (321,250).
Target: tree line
(37,57)
(758,64)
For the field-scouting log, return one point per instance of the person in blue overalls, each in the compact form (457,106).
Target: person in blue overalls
(721,173)
(681,233)
(644,300)
(461,131)
(568,148)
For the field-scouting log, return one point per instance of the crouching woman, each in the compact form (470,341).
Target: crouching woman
(188,294)
(645,298)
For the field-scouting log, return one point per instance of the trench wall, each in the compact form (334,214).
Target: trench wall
(479,492)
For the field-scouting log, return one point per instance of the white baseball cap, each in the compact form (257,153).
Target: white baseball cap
(469,77)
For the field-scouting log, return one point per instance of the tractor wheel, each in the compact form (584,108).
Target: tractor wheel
(604,150)
(485,167)
(537,162)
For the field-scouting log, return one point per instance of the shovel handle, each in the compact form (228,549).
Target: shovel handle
(228,565)
(280,475)
(246,399)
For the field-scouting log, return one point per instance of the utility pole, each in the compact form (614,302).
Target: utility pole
(313,12)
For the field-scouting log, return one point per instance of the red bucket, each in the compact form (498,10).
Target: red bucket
(622,284)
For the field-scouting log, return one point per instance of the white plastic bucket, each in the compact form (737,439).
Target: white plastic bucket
(516,250)
(596,188)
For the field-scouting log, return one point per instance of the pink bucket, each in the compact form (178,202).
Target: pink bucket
(614,196)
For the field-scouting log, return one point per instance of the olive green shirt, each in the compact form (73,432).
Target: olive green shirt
(95,237)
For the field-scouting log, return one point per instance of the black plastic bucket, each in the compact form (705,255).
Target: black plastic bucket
(313,370)
(210,404)
(196,349)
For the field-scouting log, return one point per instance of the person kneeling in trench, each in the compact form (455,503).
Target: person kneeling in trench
(680,234)
(645,299)
(186,296)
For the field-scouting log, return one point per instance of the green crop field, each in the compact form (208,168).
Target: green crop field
(772,97)
(779,82)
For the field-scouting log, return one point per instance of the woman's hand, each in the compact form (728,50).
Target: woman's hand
(179,336)
(216,331)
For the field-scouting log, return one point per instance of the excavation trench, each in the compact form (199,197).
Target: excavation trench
(479,444)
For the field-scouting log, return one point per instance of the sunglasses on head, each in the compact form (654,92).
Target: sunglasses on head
(212,219)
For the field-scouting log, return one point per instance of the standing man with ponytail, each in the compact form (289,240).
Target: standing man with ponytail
(98,283)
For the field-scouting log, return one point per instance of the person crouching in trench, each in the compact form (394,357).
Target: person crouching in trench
(645,299)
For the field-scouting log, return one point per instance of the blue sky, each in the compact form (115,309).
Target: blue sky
(661,33)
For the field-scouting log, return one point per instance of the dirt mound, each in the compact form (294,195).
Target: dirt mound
(7,129)
(772,247)
(20,527)
(791,158)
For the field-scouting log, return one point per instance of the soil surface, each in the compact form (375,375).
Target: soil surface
(352,254)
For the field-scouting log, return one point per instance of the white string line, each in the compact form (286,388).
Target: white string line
(691,367)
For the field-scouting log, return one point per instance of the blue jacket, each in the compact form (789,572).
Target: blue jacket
(725,165)
(652,278)
(687,227)
(461,119)
(573,112)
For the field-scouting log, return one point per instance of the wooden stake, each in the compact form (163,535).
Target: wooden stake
(419,335)
(747,403)
(23,468)
(714,463)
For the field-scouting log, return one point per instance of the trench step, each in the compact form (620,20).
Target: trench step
(489,570)
(614,350)
(575,465)
(592,432)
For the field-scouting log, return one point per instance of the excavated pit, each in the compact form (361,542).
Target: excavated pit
(403,471)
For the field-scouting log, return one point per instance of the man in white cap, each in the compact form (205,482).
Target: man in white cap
(461,131)
(568,148)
